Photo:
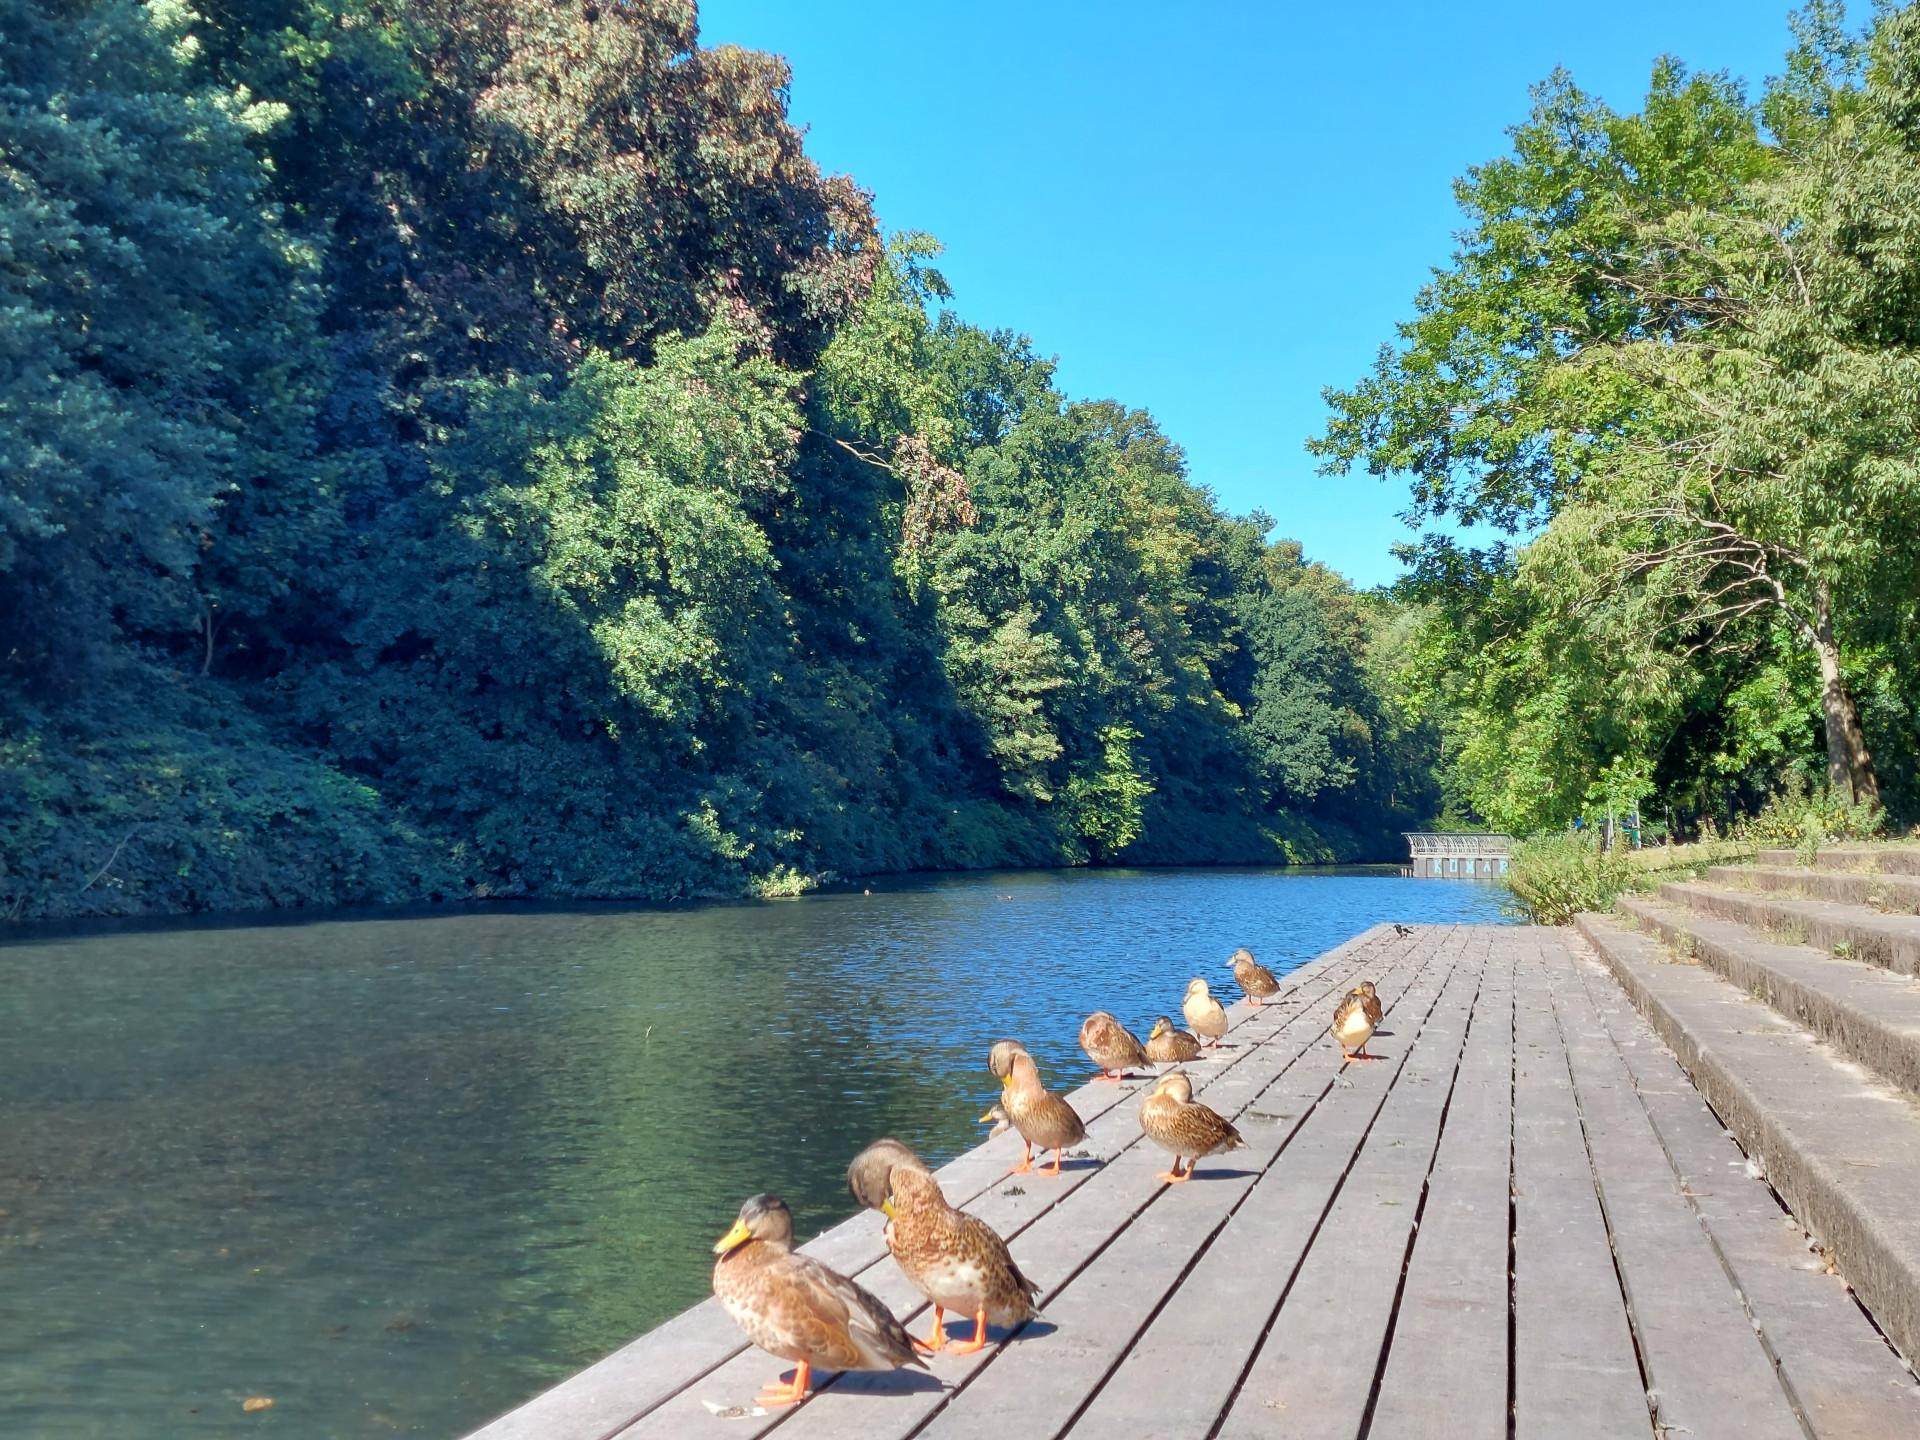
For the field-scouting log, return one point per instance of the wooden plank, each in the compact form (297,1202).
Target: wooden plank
(1213,1323)
(1575,1373)
(1843,1377)
(1447,1362)
(1705,1367)
(1314,1372)
(1052,1225)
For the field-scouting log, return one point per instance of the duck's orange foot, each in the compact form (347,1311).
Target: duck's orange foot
(979,1339)
(936,1340)
(774,1397)
(1025,1167)
(1108,1075)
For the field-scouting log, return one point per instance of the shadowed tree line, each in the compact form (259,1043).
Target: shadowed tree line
(460,448)
(1676,359)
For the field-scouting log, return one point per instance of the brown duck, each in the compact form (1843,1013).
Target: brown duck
(1252,977)
(795,1308)
(1205,1015)
(1168,1046)
(1175,1121)
(958,1261)
(1043,1119)
(1110,1045)
(1367,993)
(998,1118)
(1353,1025)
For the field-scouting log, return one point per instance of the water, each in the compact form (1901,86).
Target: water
(399,1172)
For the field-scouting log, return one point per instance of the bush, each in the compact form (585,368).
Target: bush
(1807,818)
(1556,876)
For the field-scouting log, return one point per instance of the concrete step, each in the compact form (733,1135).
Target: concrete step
(1893,894)
(1876,859)
(1870,1014)
(1851,931)
(1840,1145)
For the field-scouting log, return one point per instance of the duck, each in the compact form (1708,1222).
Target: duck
(1174,1120)
(1205,1015)
(1252,977)
(957,1260)
(1168,1046)
(1371,996)
(1353,1026)
(797,1309)
(1110,1045)
(1042,1118)
(998,1118)
(867,1176)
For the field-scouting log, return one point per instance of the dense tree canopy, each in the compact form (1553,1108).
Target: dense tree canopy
(1675,357)
(457,448)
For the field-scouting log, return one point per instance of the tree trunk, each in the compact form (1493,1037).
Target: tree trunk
(1849,763)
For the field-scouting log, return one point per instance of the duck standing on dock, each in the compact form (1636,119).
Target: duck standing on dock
(1043,1119)
(1204,1013)
(1252,977)
(958,1261)
(867,1175)
(1353,1021)
(1175,1121)
(1110,1045)
(795,1308)
(1168,1046)
(998,1118)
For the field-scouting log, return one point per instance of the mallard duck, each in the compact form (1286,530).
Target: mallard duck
(1175,1121)
(998,1118)
(958,1260)
(1043,1119)
(1252,977)
(1367,993)
(1110,1045)
(1168,1046)
(1353,1026)
(1204,1013)
(795,1308)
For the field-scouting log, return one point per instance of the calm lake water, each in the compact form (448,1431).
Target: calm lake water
(401,1172)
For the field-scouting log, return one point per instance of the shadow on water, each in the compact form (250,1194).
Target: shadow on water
(399,1172)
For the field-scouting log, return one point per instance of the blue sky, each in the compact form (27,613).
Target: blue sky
(1208,210)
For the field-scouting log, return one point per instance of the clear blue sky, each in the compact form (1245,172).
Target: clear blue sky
(1208,210)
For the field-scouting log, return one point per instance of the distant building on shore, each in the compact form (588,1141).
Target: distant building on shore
(1453,855)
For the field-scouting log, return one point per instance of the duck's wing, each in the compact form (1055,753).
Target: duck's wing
(842,1321)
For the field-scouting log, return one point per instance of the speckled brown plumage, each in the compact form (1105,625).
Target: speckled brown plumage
(1110,1045)
(1253,978)
(797,1309)
(1371,999)
(1205,1015)
(1175,1121)
(957,1260)
(1353,1026)
(1168,1046)
(1044,1120)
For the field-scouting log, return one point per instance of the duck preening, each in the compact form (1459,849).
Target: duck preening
(1175,1121)
(1353,1021)
(797,1309)
(1110,1045)
(957,1260)
(1044,1120)
(1252,977)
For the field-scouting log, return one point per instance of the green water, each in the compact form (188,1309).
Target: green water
(400,1172)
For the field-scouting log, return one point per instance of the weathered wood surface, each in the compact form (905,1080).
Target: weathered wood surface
(1521,1218)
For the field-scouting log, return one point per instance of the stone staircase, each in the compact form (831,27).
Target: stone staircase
(1791,994)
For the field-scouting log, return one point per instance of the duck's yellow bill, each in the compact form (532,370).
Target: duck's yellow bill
(886,1207)
(987,1118)
(733,1239)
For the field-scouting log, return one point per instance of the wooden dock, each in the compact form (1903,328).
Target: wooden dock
(1523,1221)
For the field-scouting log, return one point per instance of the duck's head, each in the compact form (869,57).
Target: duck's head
(1001,1059)
(1196,986)
(1162,1026)
(1242,956)
(1365,987)
(997,1117)
(1176,1084)
(765,1218)
(870,1170)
